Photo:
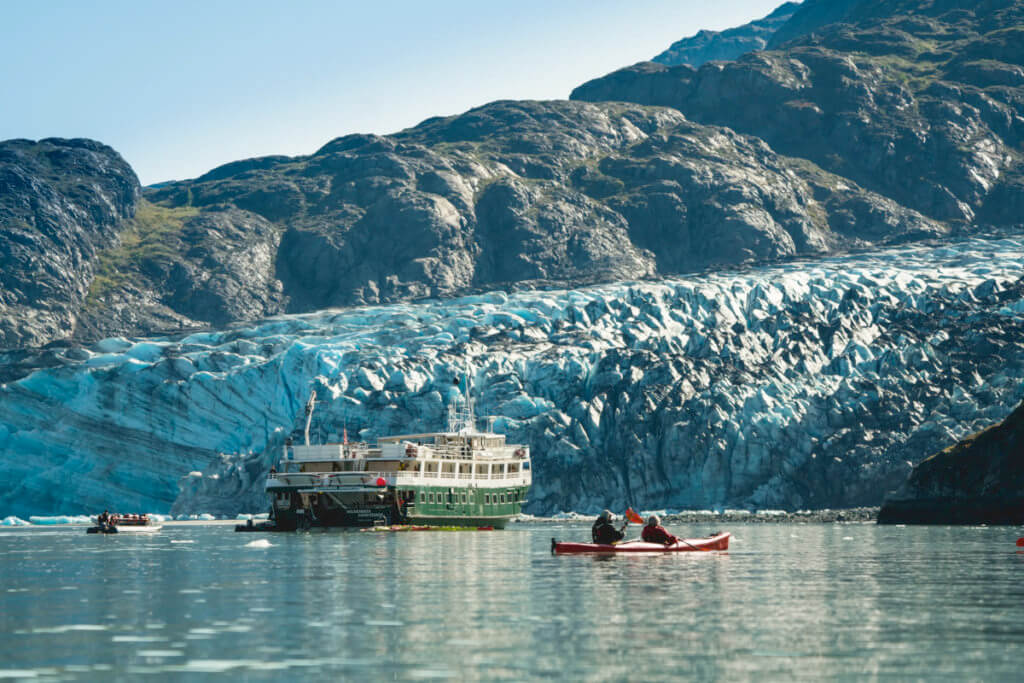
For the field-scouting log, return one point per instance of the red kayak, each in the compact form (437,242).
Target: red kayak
(718,541)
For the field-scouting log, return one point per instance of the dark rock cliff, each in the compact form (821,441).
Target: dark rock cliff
(810,16)
(61,202)
(520,192)
(509,194)
(978,481)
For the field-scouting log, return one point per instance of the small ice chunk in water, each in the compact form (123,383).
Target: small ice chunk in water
(262,543)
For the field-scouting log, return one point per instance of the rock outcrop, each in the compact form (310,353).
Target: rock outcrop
(980,480)
(711,46)
(61,203)
(512,194)
(920,102)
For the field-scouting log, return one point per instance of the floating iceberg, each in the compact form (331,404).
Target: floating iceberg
(58,520)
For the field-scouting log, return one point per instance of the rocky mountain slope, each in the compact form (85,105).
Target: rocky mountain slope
(980,480)
(62,202)
(813,384)
(512,193)
(903,123)
(919,101)
(708,46)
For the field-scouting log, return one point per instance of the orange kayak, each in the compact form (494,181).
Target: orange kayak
(718,541)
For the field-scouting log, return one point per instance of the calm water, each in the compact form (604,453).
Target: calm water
(804,601)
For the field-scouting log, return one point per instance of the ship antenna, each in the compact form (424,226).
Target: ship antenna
(453,411)
(460,418)
(310,404)
(470,403)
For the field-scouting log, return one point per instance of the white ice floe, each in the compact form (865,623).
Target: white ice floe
(60,520)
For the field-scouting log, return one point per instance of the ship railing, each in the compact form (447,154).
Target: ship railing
(343,479)
(332,479)
(370,477)
(455,452)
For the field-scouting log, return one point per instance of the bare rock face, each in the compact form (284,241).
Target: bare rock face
(873,122)
(509,195)
(182,268)
(710,46)
(919,102)
(980,480)
(61,202)
(521,193)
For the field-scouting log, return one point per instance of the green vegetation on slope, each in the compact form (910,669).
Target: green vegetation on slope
(148,237)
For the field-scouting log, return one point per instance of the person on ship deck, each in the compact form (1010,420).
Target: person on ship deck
(655,533)
(604,531)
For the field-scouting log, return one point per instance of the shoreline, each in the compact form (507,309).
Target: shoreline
(841,515)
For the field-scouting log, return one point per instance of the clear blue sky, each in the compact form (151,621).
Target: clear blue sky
(181,87)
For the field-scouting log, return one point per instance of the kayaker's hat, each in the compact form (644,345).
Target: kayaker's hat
(607,515)
(653,520)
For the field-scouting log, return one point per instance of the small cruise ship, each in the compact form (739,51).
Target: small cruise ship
(458,477)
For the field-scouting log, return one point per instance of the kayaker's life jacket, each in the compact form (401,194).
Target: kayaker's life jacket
(657,534)
(603,532)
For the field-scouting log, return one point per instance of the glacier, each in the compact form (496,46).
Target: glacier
(802,385)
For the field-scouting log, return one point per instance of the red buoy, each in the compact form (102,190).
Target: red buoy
(1020,542)
(381,481)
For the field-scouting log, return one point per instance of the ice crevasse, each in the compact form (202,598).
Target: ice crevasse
(809,384)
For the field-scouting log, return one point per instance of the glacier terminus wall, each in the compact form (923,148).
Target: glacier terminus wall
(791,386)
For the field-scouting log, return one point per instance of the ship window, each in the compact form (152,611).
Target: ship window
(463,498)
(423,497)
(487,499)
(503,498)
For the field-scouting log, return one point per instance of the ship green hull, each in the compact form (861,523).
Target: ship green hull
(455,506)
(427,505)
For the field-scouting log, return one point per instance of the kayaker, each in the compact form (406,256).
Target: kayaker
(655,533)
(603,531)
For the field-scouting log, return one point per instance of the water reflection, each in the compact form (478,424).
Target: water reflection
(810,601)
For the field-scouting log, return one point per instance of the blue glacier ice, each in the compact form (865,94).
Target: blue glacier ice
(809,384)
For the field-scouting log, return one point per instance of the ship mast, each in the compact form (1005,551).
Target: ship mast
(461,417)
(310,404)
